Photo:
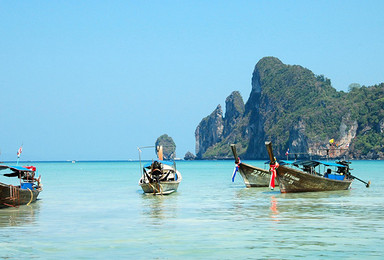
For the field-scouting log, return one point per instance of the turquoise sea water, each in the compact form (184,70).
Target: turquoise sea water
(96,210)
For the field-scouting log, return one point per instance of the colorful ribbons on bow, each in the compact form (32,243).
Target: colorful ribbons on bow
(235,170)
(272,169)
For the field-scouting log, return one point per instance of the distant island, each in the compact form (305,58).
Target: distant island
(299,112)
(169,146)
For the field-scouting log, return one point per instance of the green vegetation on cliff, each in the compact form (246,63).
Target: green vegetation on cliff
(366,105)
(293,94)
(296,109)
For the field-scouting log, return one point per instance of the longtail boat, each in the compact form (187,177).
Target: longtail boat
(306,175)
(159,177)
(23,194)
(253,176)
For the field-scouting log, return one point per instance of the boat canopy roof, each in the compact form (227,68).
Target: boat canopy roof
(306,163)
(299,163)
(309,163)
(16,170)
(148,165)
(282,162)
(332,164)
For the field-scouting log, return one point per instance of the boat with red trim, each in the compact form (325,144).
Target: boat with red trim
(311,175)
(26,192)
(252,176)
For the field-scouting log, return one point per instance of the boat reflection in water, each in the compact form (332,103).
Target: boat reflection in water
(153,207)
(274,213)
(157,209)
(23,215)
(311,206)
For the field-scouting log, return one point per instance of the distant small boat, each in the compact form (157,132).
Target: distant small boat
(159,177)
(306,175)
(26,192)
(253,176)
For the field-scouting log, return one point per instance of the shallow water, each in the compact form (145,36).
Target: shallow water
(96,210)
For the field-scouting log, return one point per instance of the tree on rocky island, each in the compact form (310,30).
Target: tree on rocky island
(353,86)
(189,156)
(169,146)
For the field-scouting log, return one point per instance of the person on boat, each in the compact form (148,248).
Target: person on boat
(342,170)
(307,169)
(329,171)
(156,171)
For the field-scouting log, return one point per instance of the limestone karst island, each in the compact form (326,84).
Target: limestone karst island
(296,110)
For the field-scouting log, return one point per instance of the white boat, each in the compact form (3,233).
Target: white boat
(160,177)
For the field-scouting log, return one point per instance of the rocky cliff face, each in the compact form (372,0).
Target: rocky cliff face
(234,110)
(294,109)
(215,131)
(209,131)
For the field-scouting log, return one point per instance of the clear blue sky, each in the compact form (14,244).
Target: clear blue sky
(92,80)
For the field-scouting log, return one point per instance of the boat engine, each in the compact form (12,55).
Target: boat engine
(156,171)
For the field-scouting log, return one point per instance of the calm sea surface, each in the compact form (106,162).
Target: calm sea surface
(96,210)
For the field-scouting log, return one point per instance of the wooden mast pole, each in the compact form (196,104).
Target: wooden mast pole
(270,152)
(233,147)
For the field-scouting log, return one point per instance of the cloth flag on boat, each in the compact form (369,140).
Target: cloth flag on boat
(160,152)
(287,152)
(272,169)
(19,151)
(235,170)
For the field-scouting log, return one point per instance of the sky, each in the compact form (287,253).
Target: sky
(93,80)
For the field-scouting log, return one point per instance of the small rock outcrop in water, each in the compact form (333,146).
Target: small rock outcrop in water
(296,110)
(189,156)
(169,146)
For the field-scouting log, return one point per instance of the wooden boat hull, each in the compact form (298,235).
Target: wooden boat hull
(13,196)
(292,180)
(254,176)
(162,188)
